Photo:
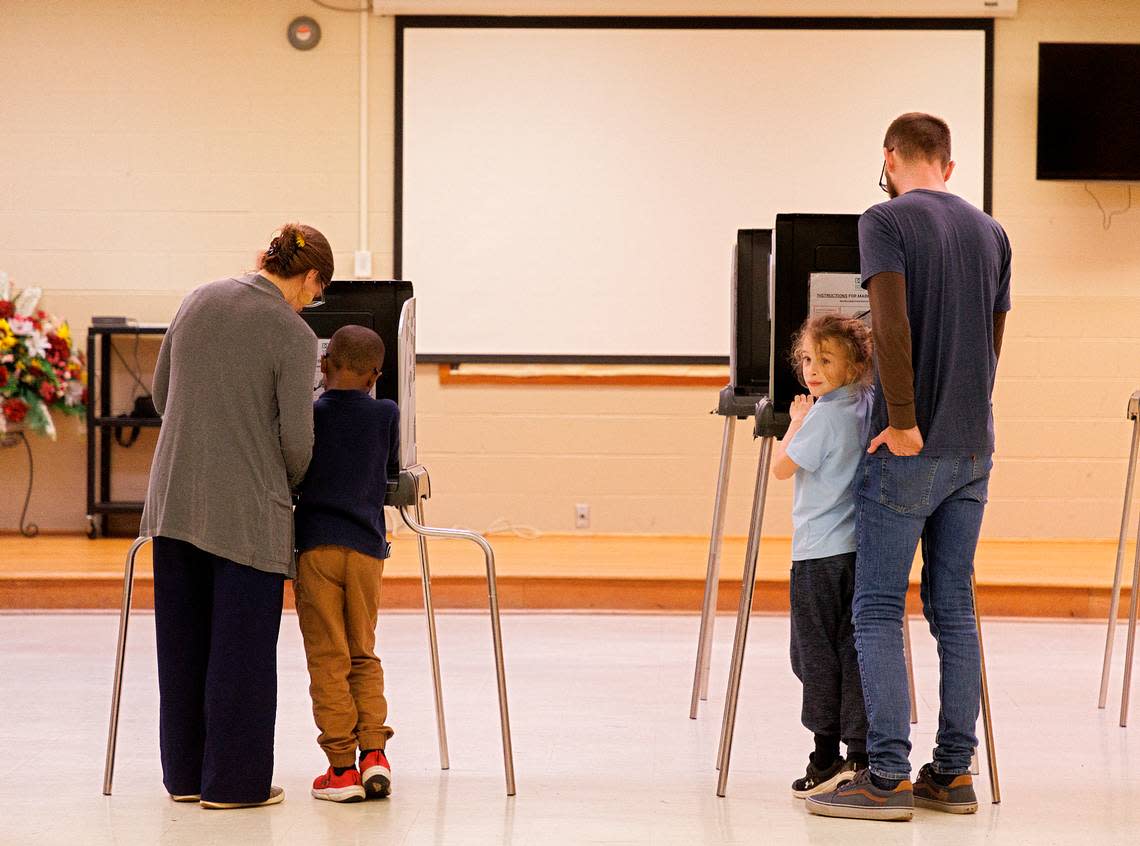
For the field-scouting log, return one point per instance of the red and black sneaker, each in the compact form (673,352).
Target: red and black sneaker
(376,773)
(346,787)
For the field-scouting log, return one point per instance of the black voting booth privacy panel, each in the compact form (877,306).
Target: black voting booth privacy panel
(750,356)
(770,300)
(373,303)
(807,246)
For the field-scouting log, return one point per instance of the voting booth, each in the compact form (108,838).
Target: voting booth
(388,307)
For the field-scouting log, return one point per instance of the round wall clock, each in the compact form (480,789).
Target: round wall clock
(304,33)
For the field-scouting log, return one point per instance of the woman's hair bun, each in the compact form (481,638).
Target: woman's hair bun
(296,248)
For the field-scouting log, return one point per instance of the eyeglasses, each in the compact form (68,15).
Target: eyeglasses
(319,299)
(883,176)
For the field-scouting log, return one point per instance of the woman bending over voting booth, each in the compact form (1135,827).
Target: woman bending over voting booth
(233,384)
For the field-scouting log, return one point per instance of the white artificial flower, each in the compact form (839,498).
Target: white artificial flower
(21,326)
(38,345)
(28,300)
(5,286)
(39,410)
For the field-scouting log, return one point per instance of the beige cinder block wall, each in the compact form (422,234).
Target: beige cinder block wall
(136,165)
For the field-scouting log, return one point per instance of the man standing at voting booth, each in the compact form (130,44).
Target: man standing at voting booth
(937,271)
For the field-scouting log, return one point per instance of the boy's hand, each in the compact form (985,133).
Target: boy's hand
(801,405)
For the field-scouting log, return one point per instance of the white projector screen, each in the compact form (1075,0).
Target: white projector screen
(575,192)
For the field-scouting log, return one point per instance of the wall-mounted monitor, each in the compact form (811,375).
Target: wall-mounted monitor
(1088,111)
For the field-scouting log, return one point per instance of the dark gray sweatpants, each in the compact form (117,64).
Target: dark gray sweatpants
(823,649)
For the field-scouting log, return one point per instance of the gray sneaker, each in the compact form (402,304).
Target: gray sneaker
(957,797)
(860,799)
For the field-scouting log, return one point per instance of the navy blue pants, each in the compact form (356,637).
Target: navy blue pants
(217,624)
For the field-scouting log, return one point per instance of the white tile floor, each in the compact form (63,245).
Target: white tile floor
(604,749)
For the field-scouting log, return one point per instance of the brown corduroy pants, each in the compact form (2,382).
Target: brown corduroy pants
(338,596)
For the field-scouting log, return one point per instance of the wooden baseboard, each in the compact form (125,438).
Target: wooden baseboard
(662,595)
(664,574)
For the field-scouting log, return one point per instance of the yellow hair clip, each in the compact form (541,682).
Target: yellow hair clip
(300,240)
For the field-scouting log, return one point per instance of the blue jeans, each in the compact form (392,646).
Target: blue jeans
(900,501)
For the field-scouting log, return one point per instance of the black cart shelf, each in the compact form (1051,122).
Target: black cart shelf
(101,425)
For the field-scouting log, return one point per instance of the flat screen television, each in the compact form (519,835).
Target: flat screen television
(1088,112)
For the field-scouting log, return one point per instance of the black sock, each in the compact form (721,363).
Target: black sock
(885,783)
(342,770)
(826,750)
(858,758)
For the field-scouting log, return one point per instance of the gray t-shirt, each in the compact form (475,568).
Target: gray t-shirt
(956,263)
(234,386)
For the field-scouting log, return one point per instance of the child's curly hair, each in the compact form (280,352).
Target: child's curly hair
(849,334)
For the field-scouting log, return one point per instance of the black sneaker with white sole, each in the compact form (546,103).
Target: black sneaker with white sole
(817,780)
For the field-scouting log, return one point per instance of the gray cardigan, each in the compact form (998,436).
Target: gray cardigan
(234,386)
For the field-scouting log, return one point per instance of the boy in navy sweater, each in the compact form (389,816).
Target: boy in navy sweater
(341,540)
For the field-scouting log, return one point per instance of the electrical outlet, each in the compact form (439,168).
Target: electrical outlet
(362,264)
(581,516)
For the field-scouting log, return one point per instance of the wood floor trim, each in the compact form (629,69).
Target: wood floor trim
(545,593)
(1049,578)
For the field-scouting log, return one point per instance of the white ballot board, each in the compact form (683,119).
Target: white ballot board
(407,385)
(319,379)
(837,293)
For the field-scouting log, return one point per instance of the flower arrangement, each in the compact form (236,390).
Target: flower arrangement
(39,367)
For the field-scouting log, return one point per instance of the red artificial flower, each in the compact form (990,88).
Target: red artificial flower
(58,351)
(15,409)
(4,376)
(47,391)
(6,309)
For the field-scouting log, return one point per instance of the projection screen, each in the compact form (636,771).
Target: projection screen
(573,192)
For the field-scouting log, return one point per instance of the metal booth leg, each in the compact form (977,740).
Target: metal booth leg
(433,642)
(747,590)
(1114,605)
(496,629)
(712,576)
(909,655)
(120,655)
(987,719)
(1125,694)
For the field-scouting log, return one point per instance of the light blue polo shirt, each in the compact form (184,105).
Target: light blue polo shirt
(827,449)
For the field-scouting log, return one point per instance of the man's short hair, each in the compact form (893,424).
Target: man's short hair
(356,348)
(917,135)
